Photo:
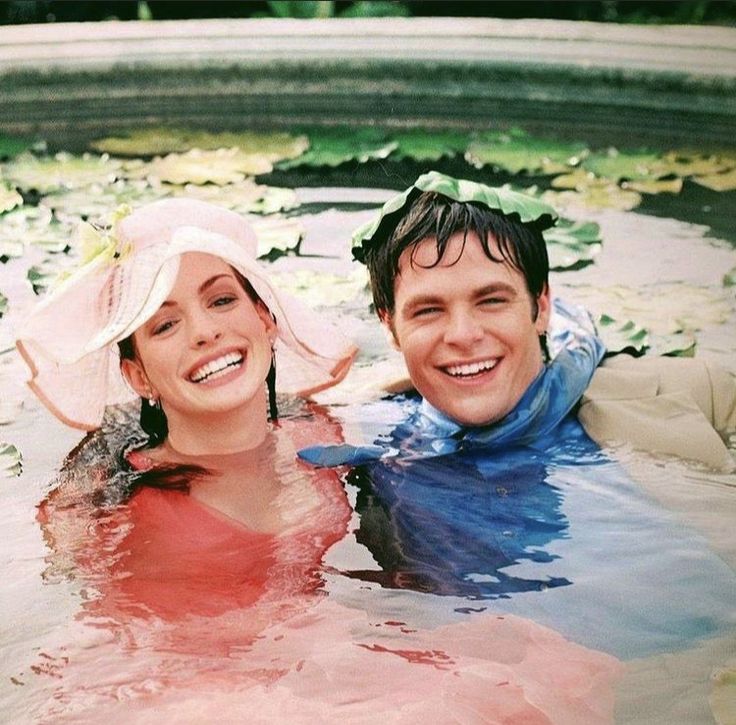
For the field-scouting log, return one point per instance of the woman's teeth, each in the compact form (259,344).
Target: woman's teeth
(471,368)
(216,368)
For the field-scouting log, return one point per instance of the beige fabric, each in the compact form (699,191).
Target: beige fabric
(677,406)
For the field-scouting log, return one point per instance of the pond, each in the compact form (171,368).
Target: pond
(613,568)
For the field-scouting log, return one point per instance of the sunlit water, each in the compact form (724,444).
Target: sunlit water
(620,554)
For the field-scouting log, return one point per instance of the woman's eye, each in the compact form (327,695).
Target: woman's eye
(162,327)
(224,300)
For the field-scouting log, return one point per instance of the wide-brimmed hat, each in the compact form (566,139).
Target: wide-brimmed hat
(69,339)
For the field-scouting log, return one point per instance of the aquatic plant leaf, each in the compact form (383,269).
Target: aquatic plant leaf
(594,197)
(690,163)
(221,166)
(273,147)
(579,180)
(11,461)
(302,9)
(10,248)
(377,9)
(630,165)
(3,304)
(572,244)
(35,226)
(95,202)
(725,181)
(678,344)
(12,146)
(62,171)
(9,198)
(516,151)
(654,186)
(154,141)
(424,145)
(40,277)
(277,236)
(663,309)
(332,147)
(244,197)
(624,336)
(322,289)
(729,279)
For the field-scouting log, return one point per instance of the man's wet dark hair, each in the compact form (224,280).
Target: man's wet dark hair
(433,215)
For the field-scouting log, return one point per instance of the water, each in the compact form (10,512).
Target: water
(639,545)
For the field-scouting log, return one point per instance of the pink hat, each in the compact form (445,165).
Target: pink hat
(69,339)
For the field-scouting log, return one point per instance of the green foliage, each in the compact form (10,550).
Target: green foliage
(11,461)
(302,9)
(3,304)
(332,147)
(572,244)
(423,145)
(632,165)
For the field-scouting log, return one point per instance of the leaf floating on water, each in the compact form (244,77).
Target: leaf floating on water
(244,197)
(723,695)
(155,141)
(630,165)
(579,180)
(622,337)
(422,145)
(678,344)
(11,461)
(40,278)
(9,198)
(62,171)
(321,289)
(223,166)
(654,186)
(12,146)
(516,151)
(691,163)
(571,244)
(729,279)
(332,147)
(10,248)
(594,197)
(277,236)
(725,181)
(3,304)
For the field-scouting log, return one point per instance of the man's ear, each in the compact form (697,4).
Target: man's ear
(388,325)
(544,309)
(268,321)
(136,377)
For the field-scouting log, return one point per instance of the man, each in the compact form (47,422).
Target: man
(490,488)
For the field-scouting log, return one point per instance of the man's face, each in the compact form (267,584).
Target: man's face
(467,330)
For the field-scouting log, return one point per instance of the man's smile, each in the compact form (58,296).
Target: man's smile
(470,369)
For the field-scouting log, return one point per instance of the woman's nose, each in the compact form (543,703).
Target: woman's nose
(204,329)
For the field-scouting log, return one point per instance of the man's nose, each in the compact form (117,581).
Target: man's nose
(463,328)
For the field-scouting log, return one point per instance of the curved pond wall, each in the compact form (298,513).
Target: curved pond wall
(570,78)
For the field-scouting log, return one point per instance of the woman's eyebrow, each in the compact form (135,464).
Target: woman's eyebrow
(209,282)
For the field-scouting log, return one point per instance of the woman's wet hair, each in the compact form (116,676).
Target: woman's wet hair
(152,417)
(436,216)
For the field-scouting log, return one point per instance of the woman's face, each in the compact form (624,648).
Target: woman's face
(208,347)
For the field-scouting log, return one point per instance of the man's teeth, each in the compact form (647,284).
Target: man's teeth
(216,368)
(471,368)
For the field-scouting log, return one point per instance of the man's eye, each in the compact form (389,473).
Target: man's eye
(426,311)
(491,301)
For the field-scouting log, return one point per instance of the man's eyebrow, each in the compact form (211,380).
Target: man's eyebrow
(423,298)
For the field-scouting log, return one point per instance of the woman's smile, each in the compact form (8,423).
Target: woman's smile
(218,368)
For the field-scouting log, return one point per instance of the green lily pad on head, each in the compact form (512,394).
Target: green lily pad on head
(518,152)
(525,208)
(9,198)
(572,244)
(277,236)
(95,203)
(422,145)
(332,147)
(725,181)
(622,337)
(617,165)
(244,197)
(62,171)
(11,461)
(223,166)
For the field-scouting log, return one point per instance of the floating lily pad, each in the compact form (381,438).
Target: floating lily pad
(35,226)
(222,166)
(156,141)
(9,198)
(40,277)
(12,146)
(421,145)
(654,186)
(3,304)
(690,163)
(594,197)
(321,289)
(277,236)
(729,279)
(62,171)
(96,201)
(678,344)
(302,8)
(516,151)
(579,180)
(723,695)
(10,248)
(571,244)
(725,181)
(11,461)
(244,197)
(629,165)
(332,147)
(622,337)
